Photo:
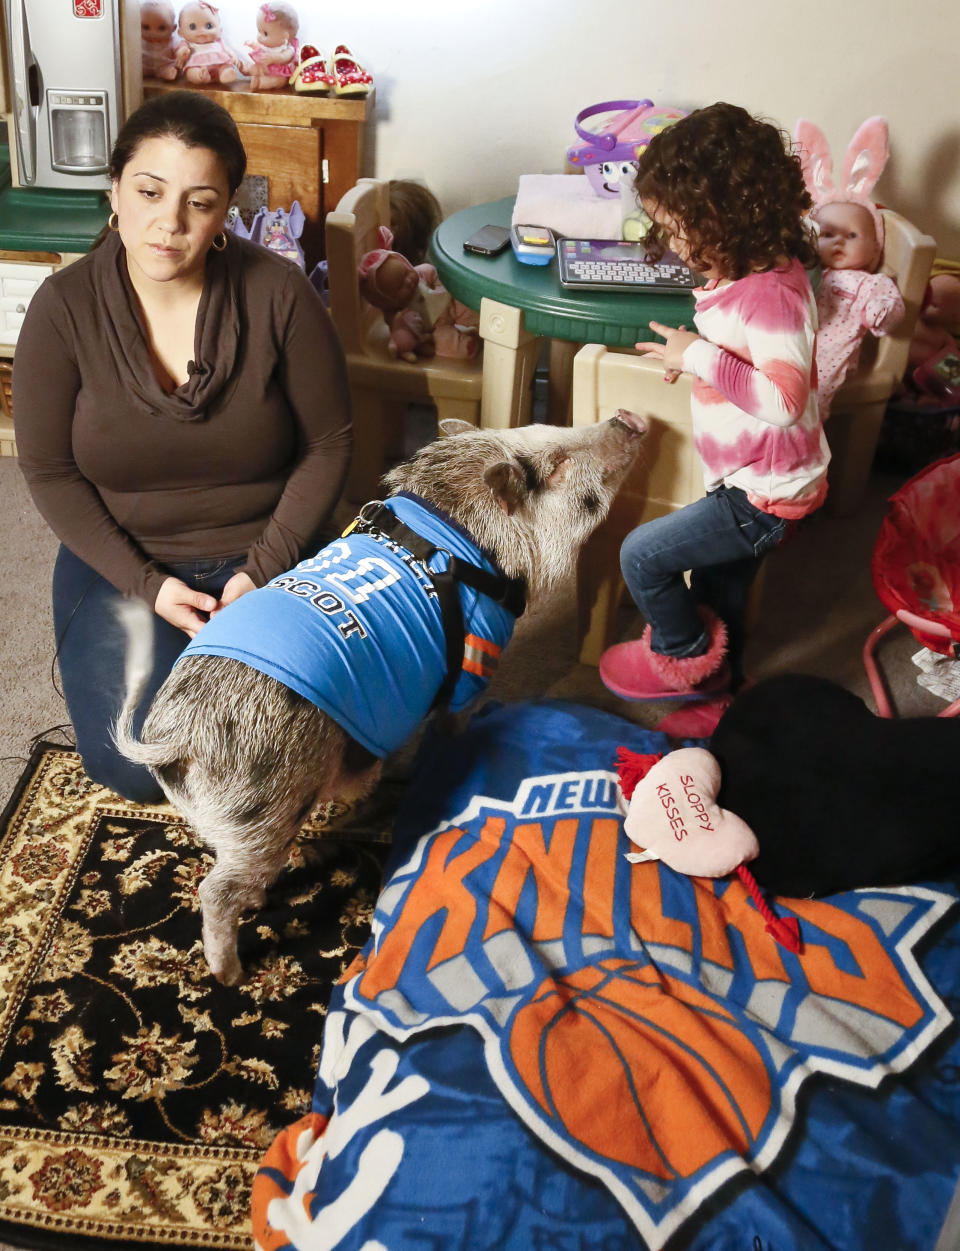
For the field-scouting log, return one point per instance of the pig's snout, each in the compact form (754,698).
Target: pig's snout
(634,423)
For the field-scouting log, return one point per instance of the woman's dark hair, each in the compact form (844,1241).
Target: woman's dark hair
(194,119)
(734,186)
(415,214)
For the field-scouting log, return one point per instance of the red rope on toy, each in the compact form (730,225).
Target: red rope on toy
(632,768)
(786,930)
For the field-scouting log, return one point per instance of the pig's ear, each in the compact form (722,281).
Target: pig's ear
(507,483)
(453,425)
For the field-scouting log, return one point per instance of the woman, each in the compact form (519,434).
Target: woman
(182,415)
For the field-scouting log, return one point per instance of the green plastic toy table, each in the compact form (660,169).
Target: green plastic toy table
(521,304)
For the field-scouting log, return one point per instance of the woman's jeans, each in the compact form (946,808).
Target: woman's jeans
(721,539)
(92,649)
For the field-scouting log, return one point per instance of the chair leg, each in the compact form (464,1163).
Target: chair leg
(600,583)
(369,447)
(853,437)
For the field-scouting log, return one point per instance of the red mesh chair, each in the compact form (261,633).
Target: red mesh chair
(916,570)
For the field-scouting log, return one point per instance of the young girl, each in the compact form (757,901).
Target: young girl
(725,193)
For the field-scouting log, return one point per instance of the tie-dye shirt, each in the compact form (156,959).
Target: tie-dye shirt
(754,407)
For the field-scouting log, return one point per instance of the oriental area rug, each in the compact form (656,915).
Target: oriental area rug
(137,1095)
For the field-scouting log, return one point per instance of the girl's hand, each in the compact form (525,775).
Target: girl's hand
(182,607)
(238,585)
(671,352)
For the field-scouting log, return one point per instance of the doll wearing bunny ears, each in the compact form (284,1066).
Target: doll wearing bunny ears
(852,300)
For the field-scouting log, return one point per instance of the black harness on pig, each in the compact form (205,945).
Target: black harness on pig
(510,593)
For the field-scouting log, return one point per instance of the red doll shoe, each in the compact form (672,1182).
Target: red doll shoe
(311,75)
(349,76)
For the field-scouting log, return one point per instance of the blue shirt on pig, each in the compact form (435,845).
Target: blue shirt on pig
(357,629)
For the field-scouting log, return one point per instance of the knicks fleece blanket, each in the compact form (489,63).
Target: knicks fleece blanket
(546,1046)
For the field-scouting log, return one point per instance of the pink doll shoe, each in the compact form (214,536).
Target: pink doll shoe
(312,76)
(349,76)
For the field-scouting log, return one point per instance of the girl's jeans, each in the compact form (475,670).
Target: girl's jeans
(722,540)
(92,648)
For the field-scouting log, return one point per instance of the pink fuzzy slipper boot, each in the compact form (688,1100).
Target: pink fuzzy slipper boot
(634,671)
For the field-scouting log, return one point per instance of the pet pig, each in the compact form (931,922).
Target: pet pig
(244,748)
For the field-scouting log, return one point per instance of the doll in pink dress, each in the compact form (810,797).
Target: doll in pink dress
(852,300)
(276,50)
(204,56)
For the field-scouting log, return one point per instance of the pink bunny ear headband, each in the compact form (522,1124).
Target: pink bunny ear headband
(863,164)
(370,262)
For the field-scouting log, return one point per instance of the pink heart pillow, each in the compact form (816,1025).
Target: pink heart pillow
(674,815)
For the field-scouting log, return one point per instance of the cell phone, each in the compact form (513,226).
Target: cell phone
(488,241)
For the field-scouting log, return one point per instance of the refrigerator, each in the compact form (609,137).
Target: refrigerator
(72,76)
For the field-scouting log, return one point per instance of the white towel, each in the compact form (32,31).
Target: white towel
(568,205)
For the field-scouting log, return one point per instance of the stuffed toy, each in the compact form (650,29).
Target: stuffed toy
(275,52)
(159,40)
(673,814)
(423,317)
(933,339)
(837,796)
(852,299)
(204,56)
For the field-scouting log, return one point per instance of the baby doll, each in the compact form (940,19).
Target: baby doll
(276,50)
(203,56)
(938,320)
(852,299)
(422,316)
(159,40)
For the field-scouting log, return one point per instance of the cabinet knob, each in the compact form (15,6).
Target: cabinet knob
(21,308)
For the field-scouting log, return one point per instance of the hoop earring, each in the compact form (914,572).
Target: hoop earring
(222,236)
(113,221)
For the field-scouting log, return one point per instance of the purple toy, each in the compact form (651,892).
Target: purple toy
(275,229)
(610,154)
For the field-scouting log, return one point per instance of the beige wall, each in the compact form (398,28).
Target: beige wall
(473,93)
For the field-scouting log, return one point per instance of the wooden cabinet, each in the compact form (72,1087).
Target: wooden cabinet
(309,148)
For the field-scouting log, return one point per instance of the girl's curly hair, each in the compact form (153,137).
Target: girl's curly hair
(734,186)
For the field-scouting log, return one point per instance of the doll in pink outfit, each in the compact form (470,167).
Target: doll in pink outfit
(159,40)
(204,56)
(852,300)
(276,50)
(422,316)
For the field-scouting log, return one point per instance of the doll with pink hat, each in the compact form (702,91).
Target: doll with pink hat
(204,56)
(852,300)
(275,52)
(422,316)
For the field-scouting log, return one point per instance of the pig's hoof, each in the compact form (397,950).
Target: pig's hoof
(231,975)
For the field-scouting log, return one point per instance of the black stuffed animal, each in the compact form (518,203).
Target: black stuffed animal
(838,797)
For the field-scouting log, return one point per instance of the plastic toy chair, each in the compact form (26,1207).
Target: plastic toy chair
(916,570)
(853,427)
(667,475)
(382,386)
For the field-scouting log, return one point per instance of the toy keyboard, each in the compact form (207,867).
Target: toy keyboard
(619,265)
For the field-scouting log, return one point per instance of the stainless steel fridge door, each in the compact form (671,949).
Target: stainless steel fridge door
(63,55)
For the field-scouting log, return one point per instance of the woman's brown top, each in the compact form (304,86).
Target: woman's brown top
(247,458)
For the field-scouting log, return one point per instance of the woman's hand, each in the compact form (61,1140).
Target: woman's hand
(671,352)
(238,585)
(183,607)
